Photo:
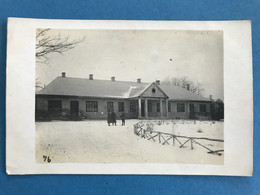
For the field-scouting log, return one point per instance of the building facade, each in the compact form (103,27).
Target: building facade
(67,98)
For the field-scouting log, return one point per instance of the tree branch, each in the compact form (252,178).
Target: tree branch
(46,44)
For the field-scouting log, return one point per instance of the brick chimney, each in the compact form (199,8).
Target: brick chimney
(113,78)
(138,80)
(158,82)
(63,74)
(90,76)
(210,97)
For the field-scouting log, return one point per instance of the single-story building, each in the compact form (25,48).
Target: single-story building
(81,98)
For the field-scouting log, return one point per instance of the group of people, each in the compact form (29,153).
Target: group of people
(111,118)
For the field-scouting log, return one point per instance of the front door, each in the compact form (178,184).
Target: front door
(74,108)
(142,109)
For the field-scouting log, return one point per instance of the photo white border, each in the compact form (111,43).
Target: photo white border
(20,99)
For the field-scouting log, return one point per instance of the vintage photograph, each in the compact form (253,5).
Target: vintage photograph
(129,96)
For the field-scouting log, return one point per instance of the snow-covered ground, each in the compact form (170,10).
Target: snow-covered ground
(190,128)
(92,141)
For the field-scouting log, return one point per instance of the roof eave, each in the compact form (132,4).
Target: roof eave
(183,100)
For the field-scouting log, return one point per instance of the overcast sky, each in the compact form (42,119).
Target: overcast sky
(147,54)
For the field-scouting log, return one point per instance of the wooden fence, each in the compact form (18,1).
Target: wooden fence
(145,130)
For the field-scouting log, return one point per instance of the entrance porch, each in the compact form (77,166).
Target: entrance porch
(152,108)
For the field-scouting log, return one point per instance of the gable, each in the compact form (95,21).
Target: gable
(153,91)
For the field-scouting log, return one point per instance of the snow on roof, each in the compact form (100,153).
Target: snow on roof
(179,93)
(93,88)
(111,89)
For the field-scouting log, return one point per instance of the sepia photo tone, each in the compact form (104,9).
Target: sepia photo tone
(129,96)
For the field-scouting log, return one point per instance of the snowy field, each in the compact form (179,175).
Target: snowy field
(92,141)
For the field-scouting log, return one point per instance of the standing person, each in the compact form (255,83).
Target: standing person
(122,116)
(113,116)
(109,118)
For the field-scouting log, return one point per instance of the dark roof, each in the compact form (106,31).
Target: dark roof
(111,89)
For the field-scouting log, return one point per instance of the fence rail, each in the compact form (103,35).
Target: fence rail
(145,130)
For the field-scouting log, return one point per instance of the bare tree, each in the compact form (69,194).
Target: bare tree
(184,82)
(38,83)
(46,44)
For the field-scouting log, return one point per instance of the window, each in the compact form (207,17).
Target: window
(121,106)
(203,108)
(150,107)
(153,90)
(91,106)
(110,106)
(180,107)
(54,106)
(158,107)
(169,107)
(132,107)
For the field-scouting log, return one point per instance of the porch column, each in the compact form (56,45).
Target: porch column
(167,111)
(146,108)
(161,108)
(139,108)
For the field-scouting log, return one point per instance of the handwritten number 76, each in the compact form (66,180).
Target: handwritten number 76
(46,159)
